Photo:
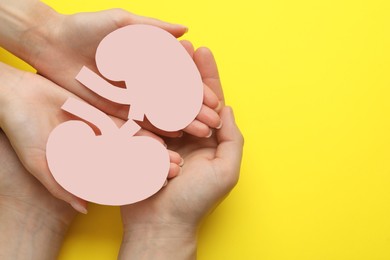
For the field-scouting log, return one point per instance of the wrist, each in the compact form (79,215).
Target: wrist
(29,217)
(162,241)
(54,215)
(25,27)
(29,234)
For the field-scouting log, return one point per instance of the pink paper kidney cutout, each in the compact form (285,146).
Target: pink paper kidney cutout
(115,168)
(162,81)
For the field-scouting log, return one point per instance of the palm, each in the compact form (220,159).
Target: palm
(21,192)
(35,104)
(36,111)
(199,175)
(210,170)
(75,39)
(185,193)
(73,44)
(82,34)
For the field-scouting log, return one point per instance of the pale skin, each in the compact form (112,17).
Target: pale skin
(173,215)
(30,110)
(58,46)
(211,170)
(34,223)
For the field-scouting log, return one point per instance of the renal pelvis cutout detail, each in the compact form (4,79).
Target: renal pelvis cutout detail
(162,83)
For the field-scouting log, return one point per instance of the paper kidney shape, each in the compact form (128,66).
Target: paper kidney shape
(110,169)
(162,80)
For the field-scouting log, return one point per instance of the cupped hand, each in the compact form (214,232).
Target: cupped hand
(22,194)
(30,110)
(210,171)
(33,223)
(71,43)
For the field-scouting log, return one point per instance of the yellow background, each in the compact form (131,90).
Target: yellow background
(309,82)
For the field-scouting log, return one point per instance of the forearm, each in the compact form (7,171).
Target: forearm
(162,243)
(24,25)
(27,235)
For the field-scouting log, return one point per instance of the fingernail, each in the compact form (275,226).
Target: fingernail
(166,146)
(220,125)
(78,207)
(181,162)
(183,26)
(181,134)
(219,106)
(210,134)
(231,111)
(180,171)
(165,183)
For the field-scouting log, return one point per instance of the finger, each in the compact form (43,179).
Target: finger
(198,129)
(209,117)
(207,67)
(174,170)
(175,158)
(210,99)
(128,18)
(189,47)
(230,148)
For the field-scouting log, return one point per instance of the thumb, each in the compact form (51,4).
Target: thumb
(123,18)
(230,148)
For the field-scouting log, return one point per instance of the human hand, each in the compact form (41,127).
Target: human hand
(211,170)
(30,110)
(32,222)
(58,46)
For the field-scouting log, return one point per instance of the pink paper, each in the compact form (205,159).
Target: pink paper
(162,83)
